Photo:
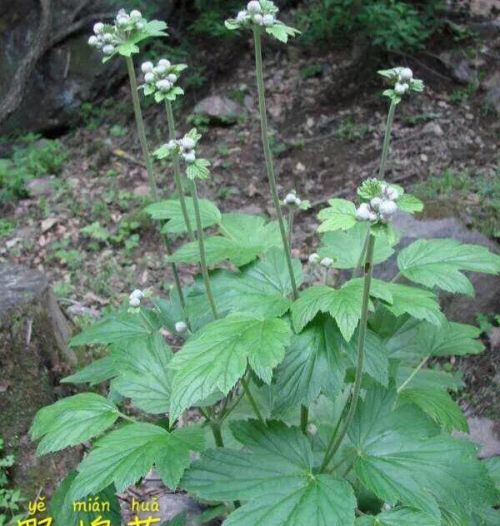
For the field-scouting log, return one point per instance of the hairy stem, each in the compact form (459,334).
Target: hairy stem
(139,120)
(252,401)
(177,170)
(337,441)
(269,158)
(201,246)
(387,140)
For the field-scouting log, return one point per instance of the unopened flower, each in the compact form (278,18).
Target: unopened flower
(405,74)
(268,20)
(391,193)
(364,212)
(149,77)
(387,209)
(401,88)
(181,327)
(135,298)
(163,85)
(326,262)
(187,143)
(375,203)
(254,7)
(108,49)
(134,302)
(98,27)
(135,14)
(189,157)
(93,41)
(242,17)
(314,258)
(147,67)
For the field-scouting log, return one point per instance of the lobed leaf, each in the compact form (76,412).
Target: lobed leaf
(340,215)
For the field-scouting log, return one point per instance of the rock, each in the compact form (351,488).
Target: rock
(459,67)
(220,109)
(68,73)
(48,223)
(457,307)
(485,433)
(142,190)
(433,128)
(492,97)
(41,186)
(482,7)
(33,347)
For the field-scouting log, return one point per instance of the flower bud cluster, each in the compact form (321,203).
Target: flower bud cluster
(161,77)
(404,76)
(403,83)
(380,208)
(185,147)
(292,199)
(257,14)
(108,37)
(135,298)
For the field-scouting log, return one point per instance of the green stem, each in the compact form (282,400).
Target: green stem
(252,401)
(368,269)
(291,215)
(413,374)
(217,433)
(139,120)
(387,140)
(126,417)
(201,246)
(269,158)
(177,170)
(304,418)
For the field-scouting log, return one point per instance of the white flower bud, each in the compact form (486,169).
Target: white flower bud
(134,302)
(140,25)
(172,145)
(254,7)
(313,258)
(405,74)
(160,69)
(137,293)
(163,85)
(122,20)
(242,17)
(172,78)
(135,14)
(189,157)
(375,203)
(98,27)
(108,49)
(326,262)
(372,216)
(268,20)
(298,201)
(391,192)
(180,327)
(364,212)
(93,41)
(187,143)
(164,63)
(149,77)
(147,67)
(290,199)
(312,429)
(258,19)
(107,37)
(387,208)
(401,88)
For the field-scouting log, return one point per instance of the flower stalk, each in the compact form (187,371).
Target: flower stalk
(177,170)
(336,440)
(268,156)
(139,119)
(387,140)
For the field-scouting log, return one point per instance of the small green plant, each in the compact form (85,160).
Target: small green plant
(6,227)
(10,499)
(304,403)
(33,157)
(350,131)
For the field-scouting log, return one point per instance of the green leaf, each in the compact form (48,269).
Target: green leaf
(117,327)
(344,305)
(243,238)
(418,303)
(273,474)
(217,356)
(346,247)
(439,405)
(198,169)
(281,31)
(96,372)
(171,211)
(399,457)
(124,456)
(61,506)
(313,364)
(340,215)
(144,376)
(409,203)
(439,262)
(429,379)
(71,421)
(261,289)
(399,517)
(154,28)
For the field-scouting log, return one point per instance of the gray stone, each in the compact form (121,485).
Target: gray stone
(41,186)
(457,307)
(485,433)
(220,109)
(33,346)
(433,128)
